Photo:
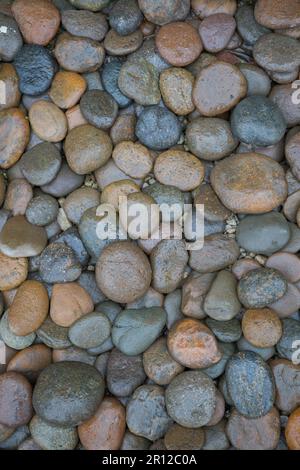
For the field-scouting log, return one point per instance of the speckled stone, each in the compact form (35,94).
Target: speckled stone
(250,384)
(261,287)
(59,403)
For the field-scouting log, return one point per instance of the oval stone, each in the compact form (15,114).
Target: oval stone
(261,287)
(250,384)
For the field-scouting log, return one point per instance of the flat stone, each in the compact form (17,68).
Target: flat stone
(52,437)
(217,253)
(124,373)
(19,238)
(221,302)
(261,287)
(277,53)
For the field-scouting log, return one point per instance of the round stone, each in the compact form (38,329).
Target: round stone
(41,164)
(36,68)
(124,373)
(123,272)
(217,253)
(125,16)
(10,42)
(110,81)
(13,271)
(19,238)
(221,301)
(146,413)
(55,396)
(90,331)
(277,14)
(65,182)
(87,148)
(42,210)
(48,121)
(180,169)
(67,89)
(260,433)
(29,308)
(59,263)
(15,399)
(168,260)
(277,53)
(216,31)
(85,23)
(38,20)
(192,344)
(105,430)
(14,135)
(69,302)
(52,437)
(179,43)
(176,85)
(218,88)
(258,121)
(164,12)
(134,330)
(191,399)
(117,45)
(158,128)
(99,108)
(286,263)
(133,159)
(265,234)
(262,327)
(261,287)
(159,364)
(254,395)
(178,437)
(79,201)
(237,177)
(78,54)
(210,138)
(292,430)
(10,80)
(144,89)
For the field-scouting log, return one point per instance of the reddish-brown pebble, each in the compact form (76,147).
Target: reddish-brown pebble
(38,20)
(133,158)
(123,128)
(192,344)
(111,193)
(262,327)
(218,88)
(176,86)
(14,136)
(123,272)
(48,121)
(69,302)
(292,430)
(10,81)
(15,399)
(179,43)
(19,194)
(249,183)
(105,430)
(13,271)
(122,45)
(31,361)
(287,263)
(67,89)
(87,148)
(255,433)
(277,14)
(180,438)
(29,308)
(180,169)
(243,266)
